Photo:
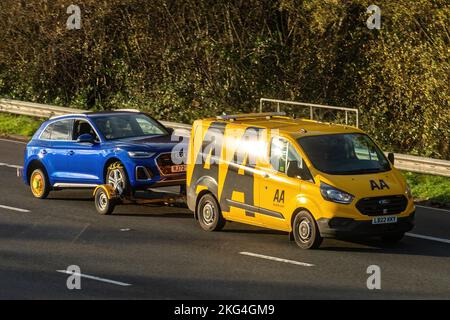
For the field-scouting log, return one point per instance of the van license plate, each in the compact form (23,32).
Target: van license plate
(178,169)
(384,220)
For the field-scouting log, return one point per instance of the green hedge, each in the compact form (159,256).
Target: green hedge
(182,60)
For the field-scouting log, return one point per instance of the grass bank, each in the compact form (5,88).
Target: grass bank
(18,125)
(431,190)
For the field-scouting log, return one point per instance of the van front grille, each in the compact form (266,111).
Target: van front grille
(382,205)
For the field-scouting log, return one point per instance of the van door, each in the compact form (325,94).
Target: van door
(238,188)
(278,191)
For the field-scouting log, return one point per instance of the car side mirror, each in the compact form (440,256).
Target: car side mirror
(86,138)
(391,157)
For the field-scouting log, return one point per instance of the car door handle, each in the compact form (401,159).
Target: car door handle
(44,151)
(70,153)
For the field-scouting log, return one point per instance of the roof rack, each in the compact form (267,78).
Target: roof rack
(311,107)
(266,115)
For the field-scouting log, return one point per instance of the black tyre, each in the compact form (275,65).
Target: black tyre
(39,184)
(305,231)
(117,177)
(209,214)
(103,204)
(394,238)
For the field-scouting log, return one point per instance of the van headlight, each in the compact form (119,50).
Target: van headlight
(140,154)
(332,194)
(408,191)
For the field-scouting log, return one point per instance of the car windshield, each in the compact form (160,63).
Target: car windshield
(344,154)
(122,126)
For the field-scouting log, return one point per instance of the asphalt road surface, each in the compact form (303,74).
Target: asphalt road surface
(151,252)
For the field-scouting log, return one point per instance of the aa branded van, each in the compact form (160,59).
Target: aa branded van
(311,179)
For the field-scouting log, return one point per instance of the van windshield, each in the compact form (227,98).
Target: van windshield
(344,154)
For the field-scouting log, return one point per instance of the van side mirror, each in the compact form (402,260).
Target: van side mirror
(86,138)
(391,157)
(293,170)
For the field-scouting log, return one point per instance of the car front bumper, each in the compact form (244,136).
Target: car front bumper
(345,227)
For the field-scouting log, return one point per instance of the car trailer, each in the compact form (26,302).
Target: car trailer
(106,198)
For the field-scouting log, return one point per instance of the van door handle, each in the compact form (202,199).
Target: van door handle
(71,153)
(266,176)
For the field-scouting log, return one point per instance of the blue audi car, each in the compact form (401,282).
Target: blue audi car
(128,150)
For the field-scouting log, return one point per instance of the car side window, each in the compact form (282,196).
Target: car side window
(81,127)
(60,130)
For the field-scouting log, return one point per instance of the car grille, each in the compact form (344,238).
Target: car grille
(165,163)
(382,205)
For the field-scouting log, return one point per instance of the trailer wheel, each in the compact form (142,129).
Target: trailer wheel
(103,204)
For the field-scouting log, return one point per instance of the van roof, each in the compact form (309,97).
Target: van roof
(290,126)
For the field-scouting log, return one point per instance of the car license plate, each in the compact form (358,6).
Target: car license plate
(178,169)
(384,220)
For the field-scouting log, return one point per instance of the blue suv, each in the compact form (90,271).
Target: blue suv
(128,150)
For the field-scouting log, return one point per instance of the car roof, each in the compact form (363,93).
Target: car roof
(93,114)
(295,128)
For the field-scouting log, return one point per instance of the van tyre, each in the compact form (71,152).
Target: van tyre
(39,184)
(305,231)
(209,214)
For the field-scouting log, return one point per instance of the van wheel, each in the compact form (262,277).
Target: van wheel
(394,238)
(209,213)
(305,230)
(39,184)
(117,177)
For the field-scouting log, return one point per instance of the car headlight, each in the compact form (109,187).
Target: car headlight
(332,194)
(140,154)
(408,191)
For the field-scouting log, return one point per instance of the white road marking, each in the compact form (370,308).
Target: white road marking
(13,141)
(14,209)
(431,208)
(123,284)
(419,236)
(10,165)
(261,256)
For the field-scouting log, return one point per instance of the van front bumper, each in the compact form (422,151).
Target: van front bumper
(345,227)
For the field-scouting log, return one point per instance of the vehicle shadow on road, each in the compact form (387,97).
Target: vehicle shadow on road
(408,246)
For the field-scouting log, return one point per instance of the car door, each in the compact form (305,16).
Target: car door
(56,138)
(278,191)
(84,161)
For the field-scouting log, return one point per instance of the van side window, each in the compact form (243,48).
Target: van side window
(283,154)
(60,130)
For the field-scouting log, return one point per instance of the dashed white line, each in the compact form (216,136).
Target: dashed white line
(118,283)
(431,208)
(14,209)
(261,256)
(419,236)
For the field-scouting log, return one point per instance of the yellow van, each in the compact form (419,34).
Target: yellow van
(311,179)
